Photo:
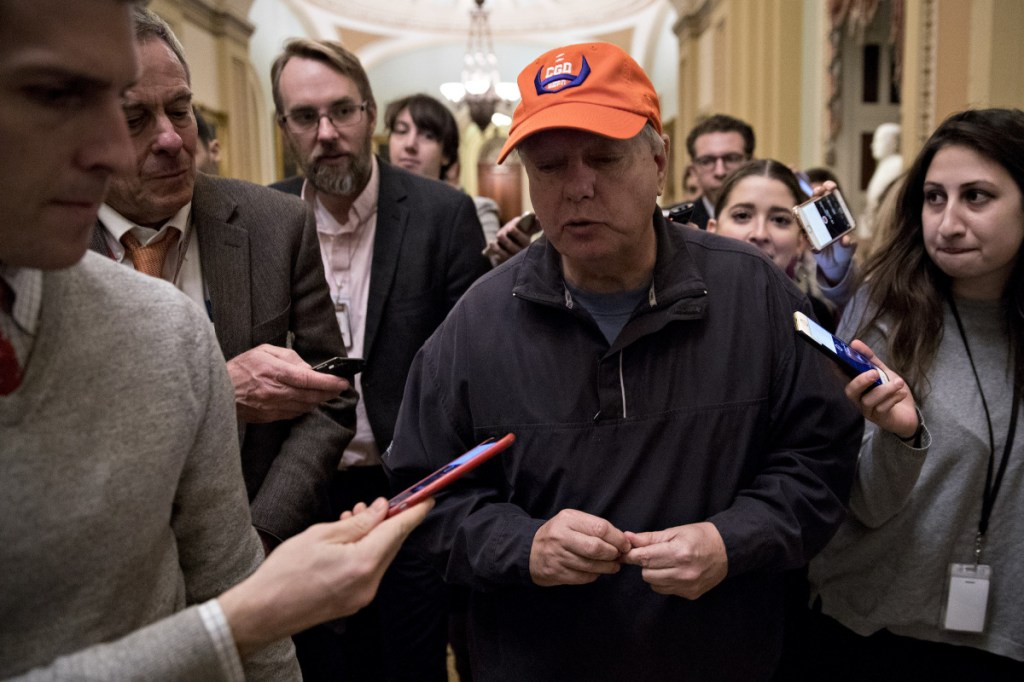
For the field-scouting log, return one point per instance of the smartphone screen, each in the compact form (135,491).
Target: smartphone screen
(825,219)
(849,360)
(449,472)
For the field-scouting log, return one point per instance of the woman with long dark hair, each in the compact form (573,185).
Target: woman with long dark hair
(923,580)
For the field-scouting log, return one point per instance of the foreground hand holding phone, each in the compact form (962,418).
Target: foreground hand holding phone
(890,405)
(328,571)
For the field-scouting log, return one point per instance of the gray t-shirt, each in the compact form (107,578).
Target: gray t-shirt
(610,311)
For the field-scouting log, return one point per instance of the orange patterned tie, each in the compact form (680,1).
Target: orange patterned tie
(149,258)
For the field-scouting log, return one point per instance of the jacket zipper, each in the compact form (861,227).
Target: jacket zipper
(622,387)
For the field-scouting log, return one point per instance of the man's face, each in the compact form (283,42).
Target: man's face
(335,160)
(63,66)
(208,157)
(158,109)
(717,155)
(594,196)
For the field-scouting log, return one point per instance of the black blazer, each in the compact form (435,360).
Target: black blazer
(260,259)
(426,253)
(700,213)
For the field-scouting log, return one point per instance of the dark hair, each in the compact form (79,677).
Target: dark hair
(721,123)
(904,284)
(820,174)
(765,168)
(430,115)
(327,52)
(207,132)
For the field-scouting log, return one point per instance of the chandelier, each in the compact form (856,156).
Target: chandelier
(481,90)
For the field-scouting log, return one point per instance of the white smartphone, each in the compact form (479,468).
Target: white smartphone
(825,219)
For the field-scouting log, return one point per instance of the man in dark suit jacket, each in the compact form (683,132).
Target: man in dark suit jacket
(399,250)
(424,259)
(250,256)
(717,146)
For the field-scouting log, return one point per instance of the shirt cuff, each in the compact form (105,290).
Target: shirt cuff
(920,440)
(223,641)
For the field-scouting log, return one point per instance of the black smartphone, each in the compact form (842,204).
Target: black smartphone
(341,367)
(850,361)
(681,214)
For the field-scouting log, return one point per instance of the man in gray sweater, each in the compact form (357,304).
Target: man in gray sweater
(128,550)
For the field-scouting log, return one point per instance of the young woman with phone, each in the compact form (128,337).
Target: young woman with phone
(756,205)
(923,580)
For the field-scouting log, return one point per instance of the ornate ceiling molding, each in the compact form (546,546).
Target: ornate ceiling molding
(508,17)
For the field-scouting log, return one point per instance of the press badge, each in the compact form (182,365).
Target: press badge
(342,310)
(967,597)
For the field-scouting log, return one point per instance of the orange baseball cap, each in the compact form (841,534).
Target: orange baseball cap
(595,87)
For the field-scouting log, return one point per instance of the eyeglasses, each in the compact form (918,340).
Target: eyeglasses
(340,114)
(728,160)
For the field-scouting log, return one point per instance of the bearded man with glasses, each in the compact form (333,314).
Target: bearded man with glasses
(398,251)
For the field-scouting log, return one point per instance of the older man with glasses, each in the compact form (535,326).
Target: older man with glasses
(248,257)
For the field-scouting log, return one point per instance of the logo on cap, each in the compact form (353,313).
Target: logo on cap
(560,76)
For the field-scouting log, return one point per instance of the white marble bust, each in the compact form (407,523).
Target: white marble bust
(885,147)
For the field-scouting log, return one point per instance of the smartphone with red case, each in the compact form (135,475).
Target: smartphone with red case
(451,471)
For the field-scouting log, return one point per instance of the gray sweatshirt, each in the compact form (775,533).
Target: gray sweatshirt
(122,505)
(915,511)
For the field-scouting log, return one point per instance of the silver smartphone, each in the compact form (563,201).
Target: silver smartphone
(825,219)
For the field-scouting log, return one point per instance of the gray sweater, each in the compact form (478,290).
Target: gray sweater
(121,497)
(914,511)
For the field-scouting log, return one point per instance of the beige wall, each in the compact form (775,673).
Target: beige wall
(216,41)
(760,60)
(764,61)
(746,59)
(959,55)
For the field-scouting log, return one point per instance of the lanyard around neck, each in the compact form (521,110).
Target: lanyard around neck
(988,498)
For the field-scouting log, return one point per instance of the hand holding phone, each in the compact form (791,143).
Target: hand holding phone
(850,361)
(825,219)
(451,471)
(887,402)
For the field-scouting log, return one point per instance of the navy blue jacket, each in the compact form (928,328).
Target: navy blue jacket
(705,408)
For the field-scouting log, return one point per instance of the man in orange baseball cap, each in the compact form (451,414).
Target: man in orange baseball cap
(594,87)
(677,447)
